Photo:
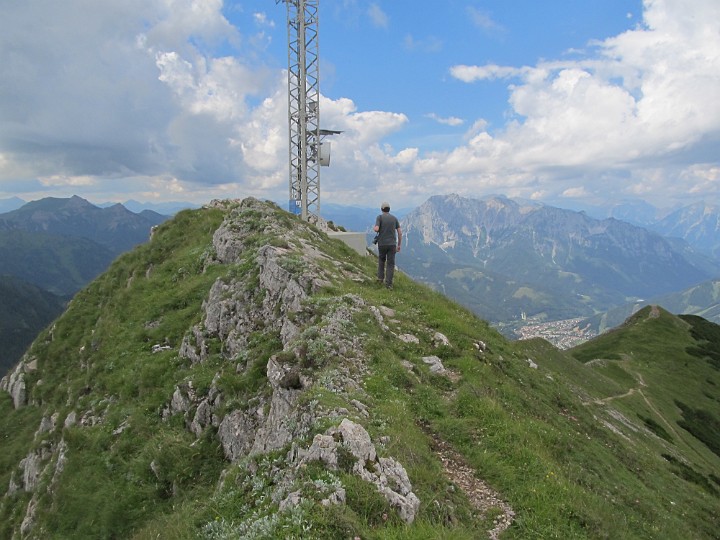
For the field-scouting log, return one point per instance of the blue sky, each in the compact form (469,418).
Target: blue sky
(568,102)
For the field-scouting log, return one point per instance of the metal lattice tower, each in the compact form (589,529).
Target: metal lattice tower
(304,107)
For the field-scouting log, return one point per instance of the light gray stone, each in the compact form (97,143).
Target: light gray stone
(435,364)
(237,433)
(440,340)
(357,440)
(323,448)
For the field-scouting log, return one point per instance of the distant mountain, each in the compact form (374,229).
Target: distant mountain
(638,213)
(355,218)
(697,224)
(168,208)
(115,227)
(504,259)
(24,310)
(6,205)
(51,248)
(702,300)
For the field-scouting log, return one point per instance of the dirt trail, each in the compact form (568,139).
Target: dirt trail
(641,384)
(482,496)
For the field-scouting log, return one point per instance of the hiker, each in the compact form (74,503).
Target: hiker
(385,225)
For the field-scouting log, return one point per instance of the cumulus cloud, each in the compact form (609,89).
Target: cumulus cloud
(116,89)
(646,98)
(142,97)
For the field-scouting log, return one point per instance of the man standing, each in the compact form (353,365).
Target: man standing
(385,225)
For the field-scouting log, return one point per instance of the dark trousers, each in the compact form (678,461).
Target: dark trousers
(386,263)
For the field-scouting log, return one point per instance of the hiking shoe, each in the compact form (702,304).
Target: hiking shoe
(389,287)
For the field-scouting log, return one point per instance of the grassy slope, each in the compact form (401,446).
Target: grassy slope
(533,434)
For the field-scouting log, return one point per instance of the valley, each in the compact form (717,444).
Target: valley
(564,334)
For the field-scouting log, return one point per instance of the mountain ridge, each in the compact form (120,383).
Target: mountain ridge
(241,375)
(543,259)
(115,228)
(702,299)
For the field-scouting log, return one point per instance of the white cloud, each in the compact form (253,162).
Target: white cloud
(261,19)
(448,121)
(470,74)
(377,16)
(575,193)
(132,89)
(429,44)
(483,20)
(649,96)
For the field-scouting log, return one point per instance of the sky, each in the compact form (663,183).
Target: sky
(566,102)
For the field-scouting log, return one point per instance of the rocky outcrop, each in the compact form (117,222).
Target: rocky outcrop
(281,281)
(14,383)
(273,296)
(387,474)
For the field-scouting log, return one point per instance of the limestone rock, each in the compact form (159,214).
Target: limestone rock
(14,383)
(389,475)
(440,340)
(357,440)
(435,364)
(237,433)
(324,449)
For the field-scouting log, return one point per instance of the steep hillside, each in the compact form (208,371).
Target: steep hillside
(242,376)
(59,264)
(24,311)
(659,363)
(503,259)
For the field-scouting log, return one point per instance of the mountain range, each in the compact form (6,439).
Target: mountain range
(506,259)
(115,228)
(62,244)
(697,224)
(241,375)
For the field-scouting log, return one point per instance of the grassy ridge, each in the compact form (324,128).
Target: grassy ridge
(565,442)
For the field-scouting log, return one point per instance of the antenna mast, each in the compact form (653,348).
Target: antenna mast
(306,153)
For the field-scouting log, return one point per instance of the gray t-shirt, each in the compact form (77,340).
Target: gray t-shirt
(388,225)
